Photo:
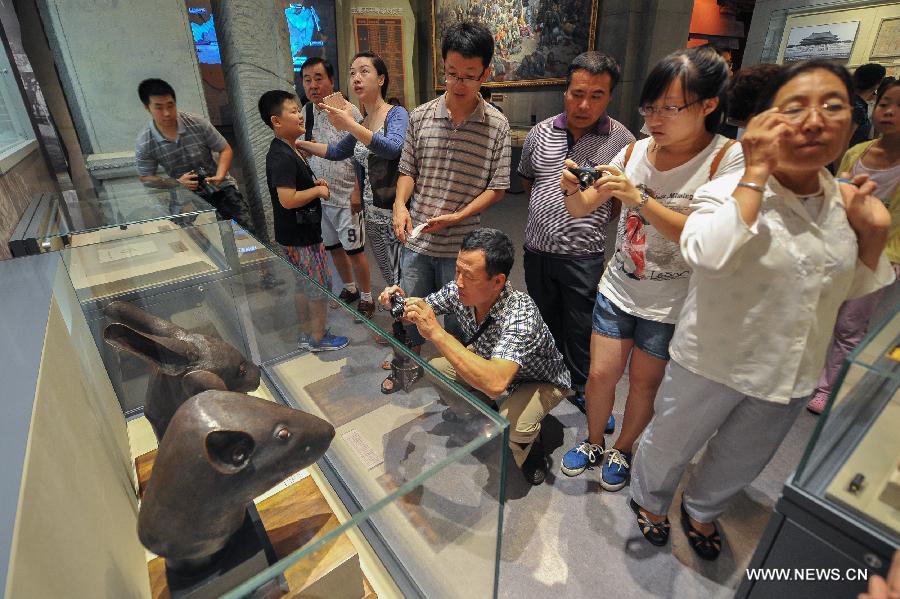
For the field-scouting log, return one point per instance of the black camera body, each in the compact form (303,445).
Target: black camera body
(398,305)
(201,181)
(586,176)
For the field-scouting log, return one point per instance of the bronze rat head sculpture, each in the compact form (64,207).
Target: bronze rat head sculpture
(183,363)
(220,451)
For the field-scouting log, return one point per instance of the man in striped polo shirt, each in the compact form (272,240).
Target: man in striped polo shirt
(564,255)
(455,163)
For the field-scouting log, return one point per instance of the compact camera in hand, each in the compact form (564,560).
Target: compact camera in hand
(398,305)
(201,181)
(586,176)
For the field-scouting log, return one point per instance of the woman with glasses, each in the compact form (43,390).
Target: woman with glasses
(774,251)
(381,132)
(641,292)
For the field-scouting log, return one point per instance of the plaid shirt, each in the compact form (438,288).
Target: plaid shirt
(194,144)
(515,332)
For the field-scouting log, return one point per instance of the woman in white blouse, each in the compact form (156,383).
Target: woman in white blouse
(774,252)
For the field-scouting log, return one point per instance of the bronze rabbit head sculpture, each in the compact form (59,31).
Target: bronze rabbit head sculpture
(183,363)
(220,451)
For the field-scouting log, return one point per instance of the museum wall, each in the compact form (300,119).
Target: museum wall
(773,18)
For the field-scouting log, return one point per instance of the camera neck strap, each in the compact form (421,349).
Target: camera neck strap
(488,320)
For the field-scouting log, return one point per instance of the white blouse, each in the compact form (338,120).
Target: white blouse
(763,300)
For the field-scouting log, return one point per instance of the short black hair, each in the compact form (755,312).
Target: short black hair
(471,40)
(868,75)
(796,69)
(270,104)
(497,247)
(154,87)
(311,62)
(595,63)
(887,84)
(380,68)
(745,88)
(703,74)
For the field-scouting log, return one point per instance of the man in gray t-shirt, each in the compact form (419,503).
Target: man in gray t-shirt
(183,143)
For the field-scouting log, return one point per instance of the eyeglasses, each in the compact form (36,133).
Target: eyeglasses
(470,81)
(666,112)
(798,113)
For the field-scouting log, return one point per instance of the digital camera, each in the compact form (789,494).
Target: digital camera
(586,176)
(398,305)
(201,181)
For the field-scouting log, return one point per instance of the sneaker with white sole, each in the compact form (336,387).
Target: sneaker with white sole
(329,342)
(304,341)
(581,457)
(616,470)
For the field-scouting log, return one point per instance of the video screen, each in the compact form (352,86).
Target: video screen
(204,31)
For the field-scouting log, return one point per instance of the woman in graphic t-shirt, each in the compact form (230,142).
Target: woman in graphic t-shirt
(644,285)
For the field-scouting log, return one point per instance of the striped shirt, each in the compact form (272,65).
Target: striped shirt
(451,166)
(513,330)
(194,144)
(550,227)
(340,174)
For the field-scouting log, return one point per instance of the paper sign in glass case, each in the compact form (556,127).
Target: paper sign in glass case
(407,496)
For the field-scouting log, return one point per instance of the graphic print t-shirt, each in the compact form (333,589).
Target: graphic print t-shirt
(647,277)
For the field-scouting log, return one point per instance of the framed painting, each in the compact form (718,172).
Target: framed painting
(887,44)
(534,40)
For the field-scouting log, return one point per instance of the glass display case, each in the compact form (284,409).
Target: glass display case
(408,499)
(840,511)
(853,458)
(57,220)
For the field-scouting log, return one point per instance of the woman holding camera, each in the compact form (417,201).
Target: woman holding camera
(643,287)
(774,252)
(375,145)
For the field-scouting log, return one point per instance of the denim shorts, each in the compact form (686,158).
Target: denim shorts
(649,336)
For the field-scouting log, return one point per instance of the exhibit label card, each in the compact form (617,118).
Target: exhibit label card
(361,447)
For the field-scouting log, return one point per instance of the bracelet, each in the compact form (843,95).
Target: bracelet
(752,186)
(644,199)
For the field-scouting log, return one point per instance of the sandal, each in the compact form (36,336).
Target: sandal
(395,384)
(707,547)
(657,533)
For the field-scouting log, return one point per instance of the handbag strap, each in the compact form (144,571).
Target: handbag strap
(719,156)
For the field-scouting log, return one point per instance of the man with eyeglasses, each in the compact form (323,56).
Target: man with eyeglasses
(455,164)
(564,256)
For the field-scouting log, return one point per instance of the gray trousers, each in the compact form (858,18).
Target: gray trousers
(743,433)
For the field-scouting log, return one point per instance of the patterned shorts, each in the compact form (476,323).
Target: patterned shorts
(312,262)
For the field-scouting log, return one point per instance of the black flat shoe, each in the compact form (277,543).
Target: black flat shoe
(657,533)
(707,547)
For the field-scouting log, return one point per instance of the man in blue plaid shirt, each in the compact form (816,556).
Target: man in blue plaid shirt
(507,357)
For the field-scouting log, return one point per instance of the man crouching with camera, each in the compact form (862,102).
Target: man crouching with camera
(507,357)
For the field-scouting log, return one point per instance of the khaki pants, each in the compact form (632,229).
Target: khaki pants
(524,408)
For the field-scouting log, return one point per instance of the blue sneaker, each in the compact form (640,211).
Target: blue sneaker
(329,342)
(579,402)
(616,469)
(578,459)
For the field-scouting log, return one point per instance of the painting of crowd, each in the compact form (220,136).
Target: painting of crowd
(534,40)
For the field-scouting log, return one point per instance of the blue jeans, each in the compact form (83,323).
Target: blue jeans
(421,275)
